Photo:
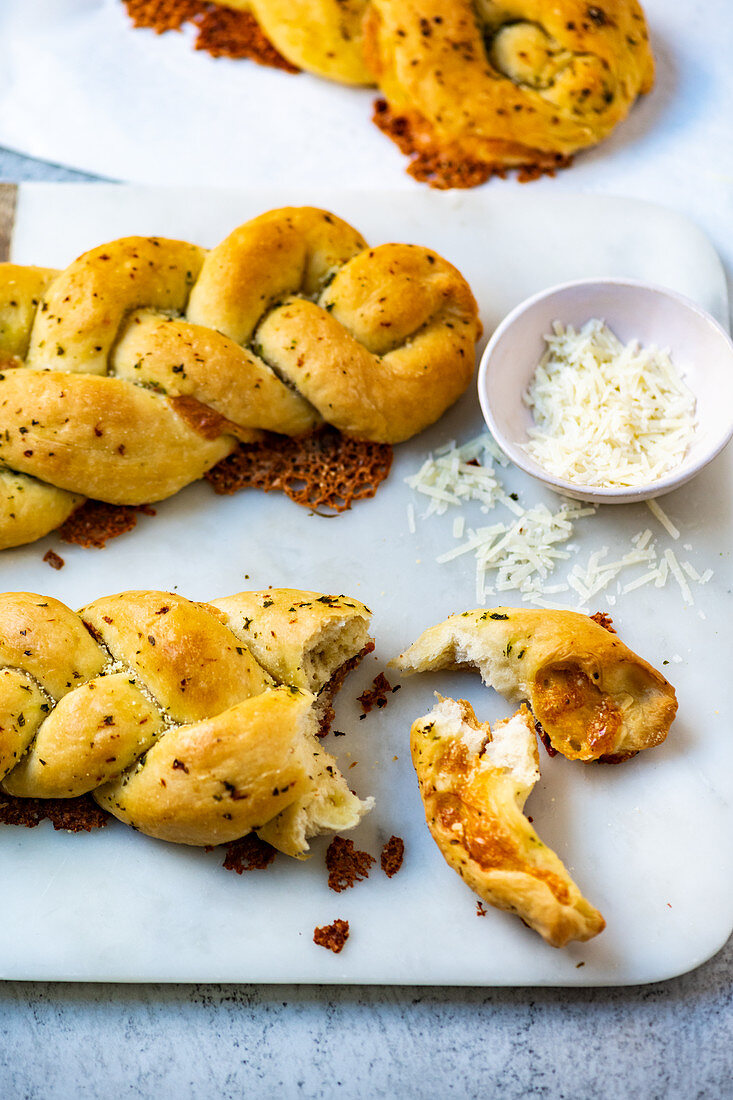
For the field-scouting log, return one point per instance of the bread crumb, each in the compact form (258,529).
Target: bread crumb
(54,560)
(376,695)
(249,853)
(392,855)
(346,864)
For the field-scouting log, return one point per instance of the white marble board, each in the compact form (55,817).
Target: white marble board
(648,842)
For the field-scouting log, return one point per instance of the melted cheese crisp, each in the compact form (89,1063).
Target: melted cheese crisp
(607,415)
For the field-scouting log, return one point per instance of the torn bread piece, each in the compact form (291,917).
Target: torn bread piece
(329,806)
(474,783)
(593,697)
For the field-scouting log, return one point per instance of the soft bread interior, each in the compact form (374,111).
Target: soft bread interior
(329,806)
(330,649)
(458,644)
(474,783)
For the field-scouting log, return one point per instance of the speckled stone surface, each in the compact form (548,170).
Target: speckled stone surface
(664,1042)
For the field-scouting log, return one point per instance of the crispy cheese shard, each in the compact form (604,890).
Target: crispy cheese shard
(594,698)
(474,783)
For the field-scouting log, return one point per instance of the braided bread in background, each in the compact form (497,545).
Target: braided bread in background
(193,722)
(134,371)
(325,37)
(475,86)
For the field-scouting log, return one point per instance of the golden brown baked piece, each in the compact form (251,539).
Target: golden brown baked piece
(139,367)
(476,87)
(474,783)
(593,697)
(324,37)
(159,706)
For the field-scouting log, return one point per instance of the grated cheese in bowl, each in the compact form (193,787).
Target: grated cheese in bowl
(607,415)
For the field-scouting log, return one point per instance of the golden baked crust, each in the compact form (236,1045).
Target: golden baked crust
(162,711)
(476,87)
(324,37)
(138,368)
(593,697)
(474,784)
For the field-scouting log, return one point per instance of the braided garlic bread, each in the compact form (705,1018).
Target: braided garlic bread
(474,87)
(161,708)
(478,86)
(474,783)
(134,371)
(593,697)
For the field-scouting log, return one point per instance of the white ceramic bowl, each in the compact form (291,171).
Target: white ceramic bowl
(700,349)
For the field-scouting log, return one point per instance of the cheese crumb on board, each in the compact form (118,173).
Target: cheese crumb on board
(607,415)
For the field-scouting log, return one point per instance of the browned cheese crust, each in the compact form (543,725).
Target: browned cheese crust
(322,36)
(594,698)
(346,865)
(324,471)
(392,856)
(134,371)
(162,709)
(332,936)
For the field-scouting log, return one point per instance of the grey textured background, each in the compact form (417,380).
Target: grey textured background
(670,1041)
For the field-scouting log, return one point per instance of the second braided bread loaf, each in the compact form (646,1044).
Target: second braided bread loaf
(193,722)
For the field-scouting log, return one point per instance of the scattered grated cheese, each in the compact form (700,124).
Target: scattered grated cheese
(522,553)
(692,573)
(454,475)
(674,568)
(606,414)
(658,513)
